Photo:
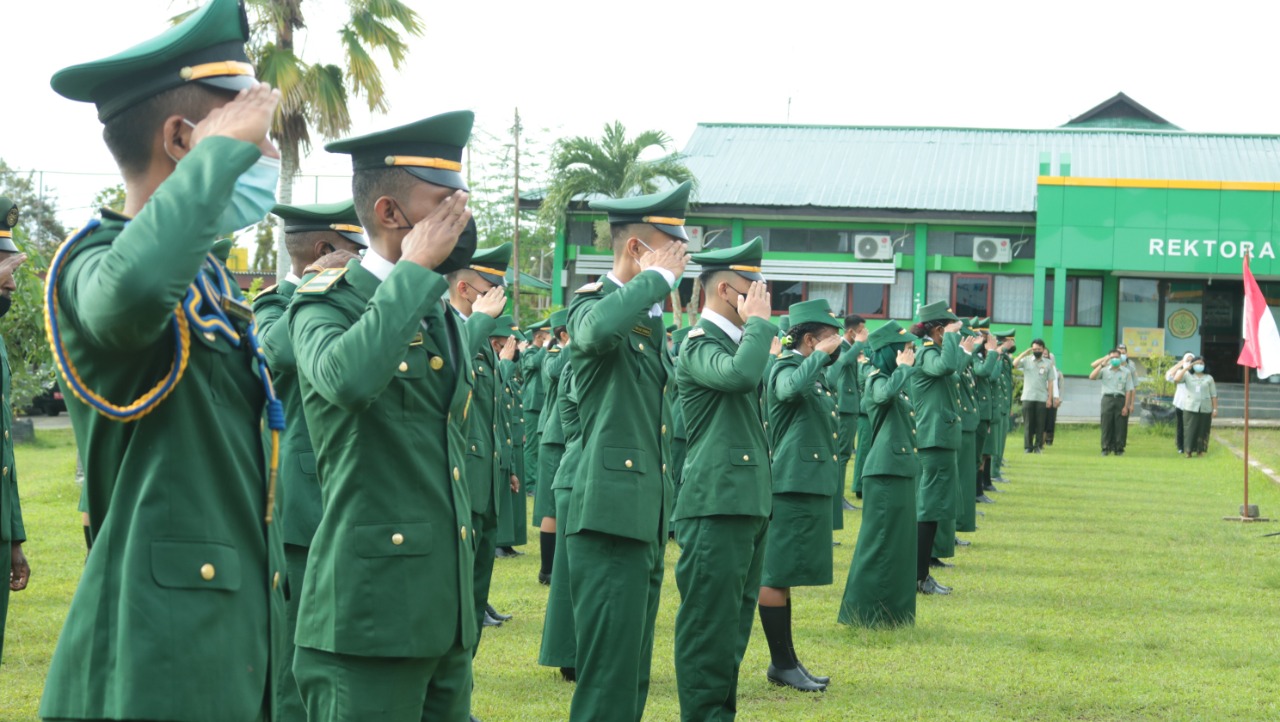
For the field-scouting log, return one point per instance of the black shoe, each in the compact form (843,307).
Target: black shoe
(980,513)
(984,499)
(569,674)
(495,614)
(491,622)
(962,543)
(835,544)
(1120,453)
(1026,451)
(793,678)
(502,553)
(1106,452)
(824,681)
(1039,450)
(1000,480)
(945,589)
(544,579)
(991,487)
(936,563)
(857,494)
(847,506)
(929,586)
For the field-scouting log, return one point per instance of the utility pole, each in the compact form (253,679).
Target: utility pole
(515,237)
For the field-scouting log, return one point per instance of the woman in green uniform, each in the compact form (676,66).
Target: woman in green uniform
(801,413)
(551,442)
(1201,405)
(881,589)
(559,635)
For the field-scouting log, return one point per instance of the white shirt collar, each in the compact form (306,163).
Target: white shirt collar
(654,311)
(292,277)
(377,265)
(461,315)
(733,332)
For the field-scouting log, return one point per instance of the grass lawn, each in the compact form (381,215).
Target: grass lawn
(1264,446)
(1096,589)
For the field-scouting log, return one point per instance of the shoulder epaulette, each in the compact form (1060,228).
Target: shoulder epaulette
(322,281)
(697,332)
(591,287)
(270,289)
(553,350)
(873,372)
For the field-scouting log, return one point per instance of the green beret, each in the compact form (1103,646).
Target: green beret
(206,48)
(337,217)
(430,149)
(813,311)
(8,219)
(492,263)
(745,260)
(936,311)
(664,211)
(559,318)
(889,334)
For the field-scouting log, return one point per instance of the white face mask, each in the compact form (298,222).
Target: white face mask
(646,245)
(252,198)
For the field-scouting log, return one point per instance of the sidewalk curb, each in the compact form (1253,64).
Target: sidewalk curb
(1271,473)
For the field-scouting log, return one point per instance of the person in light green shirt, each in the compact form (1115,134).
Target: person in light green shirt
(1201,405)
(1038,377)
(1117,382)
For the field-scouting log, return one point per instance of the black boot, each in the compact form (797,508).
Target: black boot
(547,543)
(776,622)
(495,613)
(925,532)
(569,674)
(824,681)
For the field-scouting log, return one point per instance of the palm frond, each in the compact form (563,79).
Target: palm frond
(362,71)
(282,70)
(376,34)
(394,10)
(326,100)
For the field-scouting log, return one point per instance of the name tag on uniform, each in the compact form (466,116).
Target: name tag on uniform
(417,340)
(237,308)
(642,330)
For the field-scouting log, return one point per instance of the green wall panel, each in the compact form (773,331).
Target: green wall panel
(1089,206)
(1130,250)
(1194,210)
(1141,207)
(1245,211)
(1048,245)
(1086,246)
(1048,206)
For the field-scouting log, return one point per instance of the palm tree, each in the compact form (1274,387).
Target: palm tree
(315,95)
(609,166)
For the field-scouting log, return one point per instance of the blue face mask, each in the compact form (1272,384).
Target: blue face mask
(1124,357)
(1198,368)
(252,198)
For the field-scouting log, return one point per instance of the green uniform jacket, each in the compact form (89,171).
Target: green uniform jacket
(483,454)
(11,529)
(174,613)
(552,367)
(727,466)
(802,425)
(531,370)
(621,368)
(842,377)
(571,424)
(984,384)
(386,382)
(892,450)
(966,390)
(298,490)
(935,395)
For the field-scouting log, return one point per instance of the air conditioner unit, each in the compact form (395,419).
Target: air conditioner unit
(695,237)
(872,248)
(992,250)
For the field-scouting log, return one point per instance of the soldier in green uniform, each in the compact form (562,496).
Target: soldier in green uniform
(510,344)
(532,394)
(179,611)
(1000,435)
(802,420)
(618,511)
(14,570)
(477,295)
(723,513)
(679,434)
(881,588)
(985,377)
(387,619)
(317,237)
(937,405)
(1116,384)
(970,418)
(551,438)
(559,633)
(843,377)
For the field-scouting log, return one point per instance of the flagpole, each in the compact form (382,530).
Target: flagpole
(1244,510)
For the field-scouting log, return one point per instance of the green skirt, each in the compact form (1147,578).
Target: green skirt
(798,548)
(861,451)
(937,486)
(548,464)
(967,519)
(881,589)
(559,634)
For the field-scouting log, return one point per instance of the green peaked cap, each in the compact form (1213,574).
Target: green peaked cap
(784,325)
(1006,333)
(664,211)
(542,325)
(505,326)
(559,318)
(936,311)
(207,48)
(744,260)
(429,149)
(678,337)
(221,249)
(491,263)
(982,324)
(813,311)
(337,217)
(672,328)
(889,334)
(8,219)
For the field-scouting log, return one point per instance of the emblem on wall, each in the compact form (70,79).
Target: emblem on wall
(1183,323)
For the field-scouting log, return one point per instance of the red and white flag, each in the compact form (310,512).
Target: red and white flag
(1261,338)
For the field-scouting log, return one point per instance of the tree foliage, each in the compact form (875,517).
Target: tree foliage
(39,223)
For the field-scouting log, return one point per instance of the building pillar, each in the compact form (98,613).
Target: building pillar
(736,232)
(1059,309)
(1110,312)
(918,278)
(1037,304)
(558,265)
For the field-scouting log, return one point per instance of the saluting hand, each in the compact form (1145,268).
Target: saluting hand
(991,342)
(335,259)
(968,343)
(8,266)
(862,336)
(829,344)
(491,302)
(775,347)
(508,352)
(907,356)
(247,118)
(673,257)
(433,238)
(756,304)
(952,327)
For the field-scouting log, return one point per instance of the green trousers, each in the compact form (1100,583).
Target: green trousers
(881,588)
(483,527)
(348,688)
(532,440)
(718,576)
(860,453)
(981,444)
(6,566)
(845,444)
(1001,430)
(288,699)
(1112,405)
(966,499)
(559,636)
(616,583)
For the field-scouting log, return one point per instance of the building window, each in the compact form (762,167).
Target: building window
(836,294)
(972,296)
(715,238)
(938,288)
(785,293)
(581,233)
(1139,305)
(1088,302)
(1069,303)
(870,300)
(1012,299)
(902,296)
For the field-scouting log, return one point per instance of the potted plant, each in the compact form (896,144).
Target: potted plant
(1154,393)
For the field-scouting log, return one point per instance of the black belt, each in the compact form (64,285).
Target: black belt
(1120,395)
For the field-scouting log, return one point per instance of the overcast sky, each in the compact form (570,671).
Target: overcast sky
(573,66)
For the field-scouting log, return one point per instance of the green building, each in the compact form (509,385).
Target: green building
(1118,226)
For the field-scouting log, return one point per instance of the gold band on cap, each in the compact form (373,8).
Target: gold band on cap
(663,220)
(417,162)
(746,269)
(486,269)
(215,70)
(6,234)
(345,228)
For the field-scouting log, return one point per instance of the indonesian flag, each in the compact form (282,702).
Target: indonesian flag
(1261,338)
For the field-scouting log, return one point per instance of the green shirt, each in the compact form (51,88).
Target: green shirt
(1037,375)
(1201,390)
(1115,380)
(11,529)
